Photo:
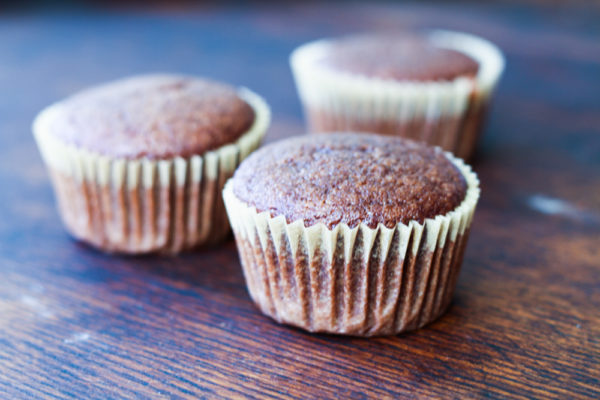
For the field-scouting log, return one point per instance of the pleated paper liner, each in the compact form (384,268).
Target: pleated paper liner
(141,205)
(448,114)
(357,281)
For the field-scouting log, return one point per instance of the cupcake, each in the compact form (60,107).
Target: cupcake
(434,87)
(346,233)
(138,165)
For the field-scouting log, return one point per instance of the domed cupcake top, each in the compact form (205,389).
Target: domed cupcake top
(153,116)
(350,178)
(397,57)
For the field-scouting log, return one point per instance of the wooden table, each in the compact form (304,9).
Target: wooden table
(525,322)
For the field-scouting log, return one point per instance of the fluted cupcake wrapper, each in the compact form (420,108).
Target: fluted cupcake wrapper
(143,205)
(358,281)
(443,113)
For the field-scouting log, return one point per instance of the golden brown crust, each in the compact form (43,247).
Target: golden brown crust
(152,116)
(350,178)
(398,57)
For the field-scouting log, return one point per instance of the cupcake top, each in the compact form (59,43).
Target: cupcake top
(397,57)
(152,116)
(350,178)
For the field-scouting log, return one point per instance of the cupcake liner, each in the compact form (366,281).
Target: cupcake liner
(143,205)
(443,113)
(358,281)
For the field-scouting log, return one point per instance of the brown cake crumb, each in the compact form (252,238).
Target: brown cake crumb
(350,178)
(397,57)
(153,116)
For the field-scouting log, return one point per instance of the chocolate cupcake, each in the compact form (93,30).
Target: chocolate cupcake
(347,233)
(138,165)
(434,87)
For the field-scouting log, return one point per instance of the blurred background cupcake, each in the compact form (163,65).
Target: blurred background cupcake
(138,165)
(433,87)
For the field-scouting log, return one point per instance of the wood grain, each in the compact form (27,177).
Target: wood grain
(525,321)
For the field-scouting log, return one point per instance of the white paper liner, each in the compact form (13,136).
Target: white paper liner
(352,102)
(142,205)
(359,281)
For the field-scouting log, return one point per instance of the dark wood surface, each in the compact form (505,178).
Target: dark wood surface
(525,321)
